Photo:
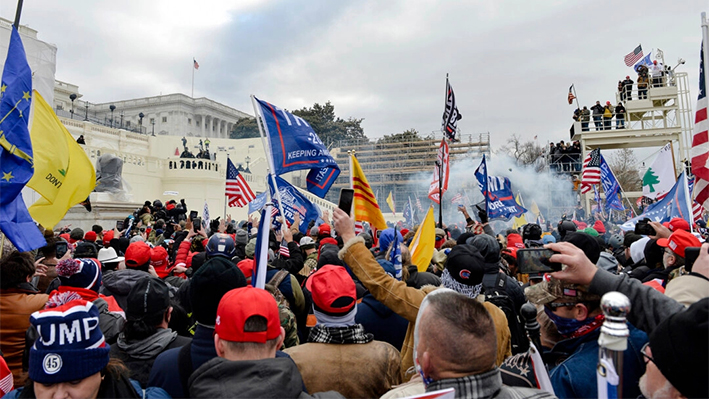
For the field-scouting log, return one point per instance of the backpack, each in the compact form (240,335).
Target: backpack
(494,289)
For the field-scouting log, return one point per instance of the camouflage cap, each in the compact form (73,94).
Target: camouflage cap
(554,290)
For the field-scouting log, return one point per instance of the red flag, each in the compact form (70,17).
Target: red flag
(442,161)
(700,140)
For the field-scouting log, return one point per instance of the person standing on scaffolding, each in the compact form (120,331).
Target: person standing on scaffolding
(597,113)
(620,116)
(657,71)
(607,116)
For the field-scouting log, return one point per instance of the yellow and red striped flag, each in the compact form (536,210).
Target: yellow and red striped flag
(366,208)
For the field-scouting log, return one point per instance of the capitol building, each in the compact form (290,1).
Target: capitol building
(147,134)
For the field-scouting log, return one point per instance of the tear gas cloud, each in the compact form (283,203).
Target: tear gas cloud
(553,193)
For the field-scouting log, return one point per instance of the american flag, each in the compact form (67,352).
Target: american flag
(238,191)
(591,170)
(700,141)
(359,227)
(196,64)
(571,98)
(418,204)
(457,198)
(283,250)
(634,56)
(697,208)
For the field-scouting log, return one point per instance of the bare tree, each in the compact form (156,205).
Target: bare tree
(525,153)
(625,168)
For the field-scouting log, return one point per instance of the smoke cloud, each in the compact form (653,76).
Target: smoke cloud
(552,192)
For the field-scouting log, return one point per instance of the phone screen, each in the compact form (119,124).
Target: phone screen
(346,199)
(690,255)
(193,214)
(61,247)
(536,260)
(197,224)
(119,225)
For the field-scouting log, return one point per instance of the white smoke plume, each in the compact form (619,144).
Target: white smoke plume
(552,192)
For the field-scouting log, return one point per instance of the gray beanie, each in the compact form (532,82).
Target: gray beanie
(241,237)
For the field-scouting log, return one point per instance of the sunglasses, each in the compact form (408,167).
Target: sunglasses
(647,357)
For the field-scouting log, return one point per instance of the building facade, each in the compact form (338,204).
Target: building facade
(170,115)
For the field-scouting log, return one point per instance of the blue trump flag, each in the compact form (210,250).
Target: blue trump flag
(644,61)
(16,162)
(409,213)
(676,204)
(499,200)
(610,187)
(258,203)
(296,146)
(293,201)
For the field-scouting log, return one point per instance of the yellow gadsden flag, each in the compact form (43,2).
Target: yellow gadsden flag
(63,174)
(424,242)
(366,208)
(521,220)
(390,202)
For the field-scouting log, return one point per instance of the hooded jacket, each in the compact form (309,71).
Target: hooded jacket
(381,321)
(265,378)
(139,356)
(405,301)
(119,283)
(607,262)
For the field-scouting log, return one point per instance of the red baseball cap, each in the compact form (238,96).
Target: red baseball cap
(324,229)
(514,241)
(679,241)
(107,237)
(90,236)
(237,305)
(158,257)
(138,254)
(678,224)
(247,267)
(333,290)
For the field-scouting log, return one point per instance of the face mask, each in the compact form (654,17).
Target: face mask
(563,325)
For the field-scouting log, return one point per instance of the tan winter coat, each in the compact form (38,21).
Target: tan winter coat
(354,370)
(405,301)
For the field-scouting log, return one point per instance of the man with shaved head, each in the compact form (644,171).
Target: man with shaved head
(456,347)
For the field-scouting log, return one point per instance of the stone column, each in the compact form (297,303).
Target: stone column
(211,127)
(203,123)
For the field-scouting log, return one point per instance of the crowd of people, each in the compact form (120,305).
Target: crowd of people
(563,157)
(162,305)
(655,75)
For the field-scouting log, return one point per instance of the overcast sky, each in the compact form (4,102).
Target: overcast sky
(510,62)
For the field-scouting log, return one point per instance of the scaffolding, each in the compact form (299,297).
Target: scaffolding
(658,115)
(402,168)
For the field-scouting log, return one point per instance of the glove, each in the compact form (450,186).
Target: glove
(482,215)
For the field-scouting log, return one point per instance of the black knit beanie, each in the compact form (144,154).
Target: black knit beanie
(209,284)
(680,348)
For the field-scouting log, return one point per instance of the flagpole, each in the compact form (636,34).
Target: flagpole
(18,13)
(269,156)
(227,161)
(674,165)
(350,154)
(193,77)
(575,96)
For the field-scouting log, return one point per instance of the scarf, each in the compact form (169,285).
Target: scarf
(471,291)
(353,334)
(572,328)
(336,321)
